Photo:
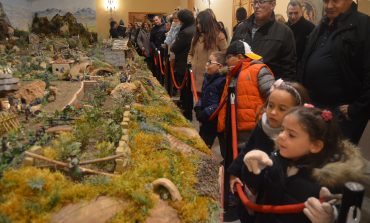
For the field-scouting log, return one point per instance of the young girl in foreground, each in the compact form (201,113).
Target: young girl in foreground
(310,154)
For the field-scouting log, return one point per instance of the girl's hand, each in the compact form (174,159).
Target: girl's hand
(233,181)
(257,160)
(319,212)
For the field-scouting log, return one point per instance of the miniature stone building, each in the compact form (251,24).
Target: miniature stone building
(7,82)
(61,67)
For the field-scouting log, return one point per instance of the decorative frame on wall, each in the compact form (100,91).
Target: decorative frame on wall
(142,16)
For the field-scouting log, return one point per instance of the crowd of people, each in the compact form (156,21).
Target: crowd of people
(301,94)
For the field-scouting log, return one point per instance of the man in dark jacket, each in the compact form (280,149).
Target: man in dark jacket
(299,25)
(121,29)
(181,48)
(336,65)
(272,40)
(157,37)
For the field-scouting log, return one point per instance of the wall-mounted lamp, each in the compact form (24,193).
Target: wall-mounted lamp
(111,6)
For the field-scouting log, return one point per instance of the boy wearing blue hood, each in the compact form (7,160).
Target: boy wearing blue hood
(213,85)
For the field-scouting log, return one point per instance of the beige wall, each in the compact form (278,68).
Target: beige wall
(125,6)
(364,6)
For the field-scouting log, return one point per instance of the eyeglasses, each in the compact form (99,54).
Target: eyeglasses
(260,2)
(209,62)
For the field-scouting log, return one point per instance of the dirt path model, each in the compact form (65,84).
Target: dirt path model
(65,92)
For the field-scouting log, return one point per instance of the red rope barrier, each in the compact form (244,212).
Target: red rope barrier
(195,94)
(155,60)
(177,86)
(274,209)
(233,126)
(160,62)
(220,105)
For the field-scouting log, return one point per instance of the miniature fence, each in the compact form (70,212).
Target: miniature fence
(8,121)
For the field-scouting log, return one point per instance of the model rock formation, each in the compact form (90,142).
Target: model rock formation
(62,25)
(5,26)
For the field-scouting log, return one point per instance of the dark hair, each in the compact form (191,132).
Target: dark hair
(186,17)
(209,28)
(220,57)
(295,3)
(241,14)
(143,24)
(297,90)
(319,128)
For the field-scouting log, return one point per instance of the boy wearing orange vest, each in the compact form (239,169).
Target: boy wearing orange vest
(247,85)
(251,80)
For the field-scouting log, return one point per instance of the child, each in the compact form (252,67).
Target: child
(283,96)
(212,87)
(252,81)
(310,154)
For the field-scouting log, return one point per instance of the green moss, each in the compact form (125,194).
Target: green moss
(195,142)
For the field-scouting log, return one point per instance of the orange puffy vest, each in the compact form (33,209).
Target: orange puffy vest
(248,100)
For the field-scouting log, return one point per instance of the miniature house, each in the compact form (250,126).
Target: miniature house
(61,66)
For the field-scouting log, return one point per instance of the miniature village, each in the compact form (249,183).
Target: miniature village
(84,129)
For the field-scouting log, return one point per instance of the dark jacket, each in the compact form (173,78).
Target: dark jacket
(157,36)
(301,29)
(274,41)
(212,89)
(113,33)
(257,140)
(121,30)
(181,47)
(275,187)
(351,52)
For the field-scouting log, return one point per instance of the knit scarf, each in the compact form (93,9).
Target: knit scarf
(270,131)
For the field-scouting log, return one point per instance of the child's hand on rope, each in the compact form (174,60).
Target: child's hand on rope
(233,181)
(256,161)
(319,212)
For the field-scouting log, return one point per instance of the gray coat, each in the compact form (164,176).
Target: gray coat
(143,41)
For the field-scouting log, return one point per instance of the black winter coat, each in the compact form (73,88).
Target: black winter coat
(274,41)
(121,30)
(157,36)
(257,140)
(181,47)
(351,52)
(274,187)
(301,30)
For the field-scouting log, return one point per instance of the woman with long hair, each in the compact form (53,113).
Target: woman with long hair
(207,39)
